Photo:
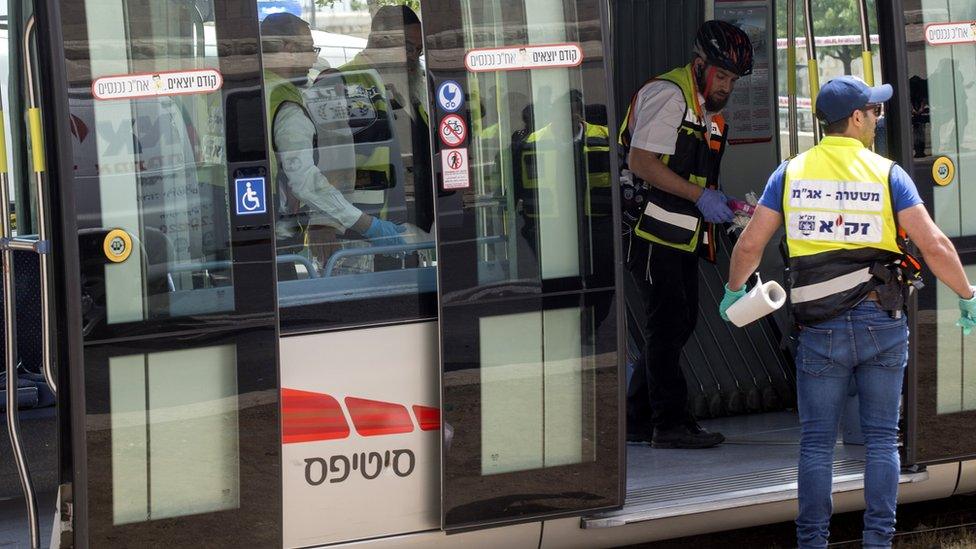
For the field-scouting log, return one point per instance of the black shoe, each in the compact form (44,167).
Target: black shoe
(689,435)
(640,435)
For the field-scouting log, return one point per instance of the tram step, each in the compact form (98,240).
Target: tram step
(727,493)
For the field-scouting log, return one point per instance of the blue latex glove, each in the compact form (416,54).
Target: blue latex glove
(967,315)
(385,233)
(714,205)
(728,299)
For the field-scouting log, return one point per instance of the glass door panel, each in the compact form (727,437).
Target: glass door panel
(161,166)
(526,261)
(943,164)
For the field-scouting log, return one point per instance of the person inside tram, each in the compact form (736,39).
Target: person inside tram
(673,138)
(537,157)
(388,71)
(538,151)
(528,126)
(304,193)
(918,93)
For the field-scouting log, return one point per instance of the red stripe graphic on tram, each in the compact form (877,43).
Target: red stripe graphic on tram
(428,418)
(312,417)
(375,417)
(307,417)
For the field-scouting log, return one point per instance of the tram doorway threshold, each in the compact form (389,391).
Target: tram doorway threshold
(756,465)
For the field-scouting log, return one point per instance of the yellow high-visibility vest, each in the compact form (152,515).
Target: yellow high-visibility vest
(840,221)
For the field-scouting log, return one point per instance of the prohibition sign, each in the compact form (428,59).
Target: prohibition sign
(454,160)
(453,130)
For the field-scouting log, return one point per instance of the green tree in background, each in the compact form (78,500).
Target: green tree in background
(831,18)
(364,4)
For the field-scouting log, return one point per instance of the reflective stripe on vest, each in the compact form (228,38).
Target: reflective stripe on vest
(535,163)
(839,221)
(820,290)
(696,158)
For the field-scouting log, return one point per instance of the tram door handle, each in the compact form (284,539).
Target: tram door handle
(38,168)
(8,244)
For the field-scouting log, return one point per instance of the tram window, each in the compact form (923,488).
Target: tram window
(838,41)
(943,99)
(536,219)
(153,167)
(348,127)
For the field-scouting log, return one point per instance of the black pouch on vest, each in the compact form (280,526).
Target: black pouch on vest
(891,293)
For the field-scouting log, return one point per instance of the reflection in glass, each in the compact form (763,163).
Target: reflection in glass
(942,99)
(152,166)
(349,132)
(540,155)
(526,261)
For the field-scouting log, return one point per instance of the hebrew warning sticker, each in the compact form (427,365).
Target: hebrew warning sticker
(515,58)
(454,167)
(946,34)
(155,84)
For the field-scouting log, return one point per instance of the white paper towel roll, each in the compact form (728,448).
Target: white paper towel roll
(759,302)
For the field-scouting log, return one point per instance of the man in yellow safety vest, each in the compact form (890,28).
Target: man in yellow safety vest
(673,139)
(845,211)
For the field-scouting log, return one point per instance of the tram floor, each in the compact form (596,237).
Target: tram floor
(754,444)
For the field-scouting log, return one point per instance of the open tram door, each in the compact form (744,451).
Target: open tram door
(531,384)
(161,235)
(932,136)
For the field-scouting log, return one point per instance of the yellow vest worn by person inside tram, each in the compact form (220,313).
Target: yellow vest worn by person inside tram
(371,120)
(292,213)
(537,160)
(840,222)
(665,218)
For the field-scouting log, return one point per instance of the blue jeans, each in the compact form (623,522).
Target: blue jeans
(867,344)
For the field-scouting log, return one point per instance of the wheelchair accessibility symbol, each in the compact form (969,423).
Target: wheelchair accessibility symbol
(251,198)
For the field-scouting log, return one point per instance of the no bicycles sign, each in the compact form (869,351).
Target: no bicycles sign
(453,130)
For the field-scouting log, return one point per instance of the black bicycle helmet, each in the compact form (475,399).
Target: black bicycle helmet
(724,45)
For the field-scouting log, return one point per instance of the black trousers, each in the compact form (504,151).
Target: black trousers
(668,280)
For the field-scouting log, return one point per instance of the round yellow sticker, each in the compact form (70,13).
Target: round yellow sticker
(117,245)
(943,171)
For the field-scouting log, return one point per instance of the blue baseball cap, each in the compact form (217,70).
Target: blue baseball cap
(843,95)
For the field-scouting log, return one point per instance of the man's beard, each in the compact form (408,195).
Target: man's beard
(715,105)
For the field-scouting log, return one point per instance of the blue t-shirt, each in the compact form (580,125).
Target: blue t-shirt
(903,192)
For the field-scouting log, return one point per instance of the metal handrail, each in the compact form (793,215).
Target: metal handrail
(226,264)
(37,149)
(793,116)
(867,58)
(373,250)
(813,72)
(10,339)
